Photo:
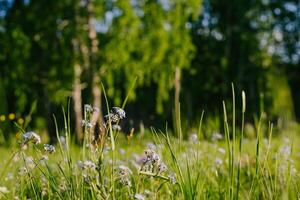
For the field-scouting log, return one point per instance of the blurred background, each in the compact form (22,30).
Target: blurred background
(187,51)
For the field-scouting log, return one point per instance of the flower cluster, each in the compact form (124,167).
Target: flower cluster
(124,175)
(153,165)
(86,165)
(88,170)
(193,138)
(151,162)
(49,148)
(216,136)
(88,113)
(30,137)
(115,115)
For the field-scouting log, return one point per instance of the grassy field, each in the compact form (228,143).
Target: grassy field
(154,166)
(258,161)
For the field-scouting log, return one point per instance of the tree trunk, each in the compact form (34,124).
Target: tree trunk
(77,101)
(93,50)
(177,103)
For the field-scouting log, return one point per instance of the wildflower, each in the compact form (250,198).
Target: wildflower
(218,161)
(80,164)
(122,151)
(161,168)
(111,117)
(86,123)
(88,108)
(11,116)
(44,158)
(30,137)
(89,165)
(49,148)
(22,171)
(151,146)
(148,193)
(222,150)
(119,111)
(139,197)
(9,176)
(193,138)
(216,136)
(29,162)
(116,127)
(2,118)
(172,178)
(3,190)
(124,175)
(20,121)
(123,170)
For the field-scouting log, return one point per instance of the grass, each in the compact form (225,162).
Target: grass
(157,165)
(202,170)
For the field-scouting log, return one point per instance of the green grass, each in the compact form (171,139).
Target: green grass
(251,162)
(202,170)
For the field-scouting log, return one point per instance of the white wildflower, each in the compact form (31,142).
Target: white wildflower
(116,127)
(3,190)
(193,138)
(30,137)
(216,136)
(139,197)
(161,168)
(172,178)
(89,165)
(49,148)
(119,111)
(218,161)
(221,150)
(88,108)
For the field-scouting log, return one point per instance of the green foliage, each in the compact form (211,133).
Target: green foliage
(212,43)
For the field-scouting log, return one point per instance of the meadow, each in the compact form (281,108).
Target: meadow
(155,164)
